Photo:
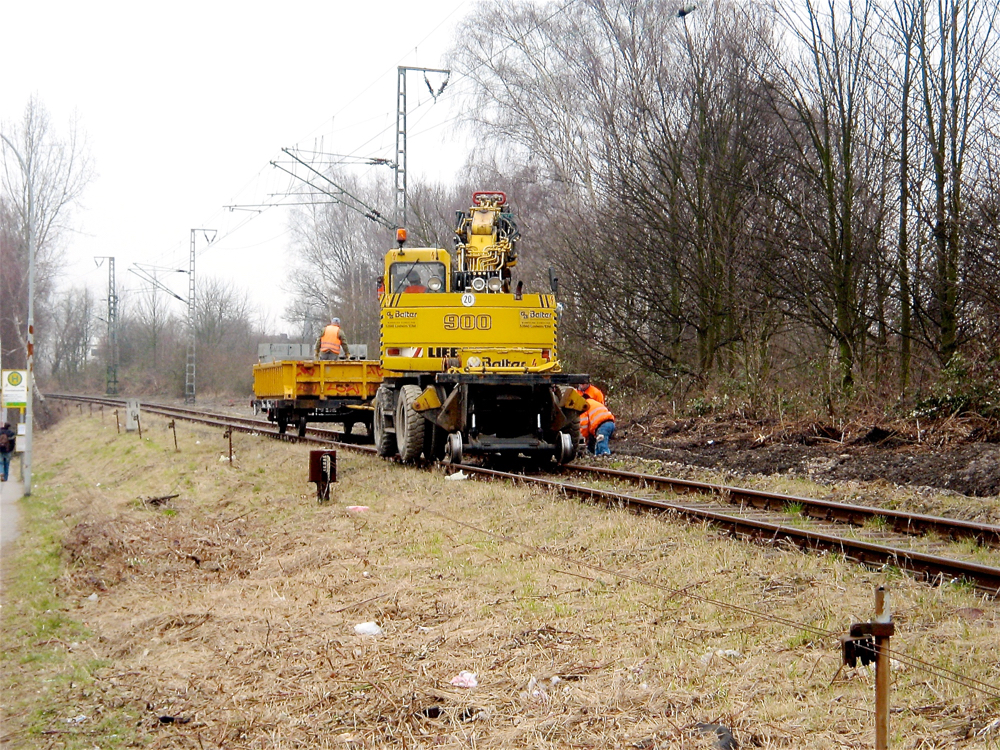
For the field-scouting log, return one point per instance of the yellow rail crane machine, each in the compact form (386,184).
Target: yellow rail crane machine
(470,366)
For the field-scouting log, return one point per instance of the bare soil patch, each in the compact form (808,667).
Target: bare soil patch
(225,617)
(960,455)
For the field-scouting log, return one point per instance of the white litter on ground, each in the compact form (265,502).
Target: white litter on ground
(458,475)
(367,628)
(722,653)
(990,728)
(465,679)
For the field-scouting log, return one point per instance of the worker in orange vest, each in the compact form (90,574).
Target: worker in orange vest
(589,390)
(597,425)
(413,284)
(332,342)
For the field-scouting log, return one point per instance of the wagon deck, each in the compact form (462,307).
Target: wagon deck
(301,391)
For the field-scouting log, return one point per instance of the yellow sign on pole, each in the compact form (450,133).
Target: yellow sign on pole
(14,389)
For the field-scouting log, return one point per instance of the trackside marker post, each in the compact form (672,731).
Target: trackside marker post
(867,642)
(323,472)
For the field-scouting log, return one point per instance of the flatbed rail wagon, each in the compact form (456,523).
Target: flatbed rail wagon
(296,392)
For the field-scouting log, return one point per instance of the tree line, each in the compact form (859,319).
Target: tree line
(73,341)
(784,204)
(757,197)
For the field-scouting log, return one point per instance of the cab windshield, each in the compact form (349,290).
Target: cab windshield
(416,276)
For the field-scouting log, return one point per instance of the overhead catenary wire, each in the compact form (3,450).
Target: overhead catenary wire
(449,94)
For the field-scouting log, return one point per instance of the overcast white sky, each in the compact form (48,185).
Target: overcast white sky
(184,104)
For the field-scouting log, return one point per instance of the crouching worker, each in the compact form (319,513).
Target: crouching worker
(597,425)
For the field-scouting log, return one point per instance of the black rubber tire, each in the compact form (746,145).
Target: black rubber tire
(409,424)
(385,442)
(282,423)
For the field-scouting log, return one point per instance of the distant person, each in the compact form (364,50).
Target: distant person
(332,343)
(589,390)
(413,285)
(7,439)
(597,425)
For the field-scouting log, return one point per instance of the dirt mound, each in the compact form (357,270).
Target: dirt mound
(961,455)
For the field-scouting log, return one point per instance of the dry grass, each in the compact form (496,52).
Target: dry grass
(233,608)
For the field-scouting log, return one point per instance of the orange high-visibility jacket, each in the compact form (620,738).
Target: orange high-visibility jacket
(331,339)
(592,391)
(596,415)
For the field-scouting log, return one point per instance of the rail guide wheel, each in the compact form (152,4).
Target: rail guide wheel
(302,426)
(453,449)
(566,450)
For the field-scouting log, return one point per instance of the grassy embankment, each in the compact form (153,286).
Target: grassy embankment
(231,608)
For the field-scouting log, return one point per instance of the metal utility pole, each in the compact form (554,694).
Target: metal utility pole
(112,364)
(189,370)
(401,133)
(29,418)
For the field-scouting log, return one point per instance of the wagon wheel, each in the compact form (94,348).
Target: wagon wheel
(302,425)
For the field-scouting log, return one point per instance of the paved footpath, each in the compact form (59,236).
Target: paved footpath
(10,493)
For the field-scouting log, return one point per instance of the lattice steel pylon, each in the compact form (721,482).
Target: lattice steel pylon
(401,72)
(191,366)
(111,356)
(112,378)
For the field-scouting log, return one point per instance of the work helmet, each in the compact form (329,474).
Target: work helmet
(336,321)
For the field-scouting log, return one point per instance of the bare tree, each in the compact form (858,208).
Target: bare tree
(956,44)
(74,321)
(835,172)
(227,330)
(338,263)
(150,339)
(59,171)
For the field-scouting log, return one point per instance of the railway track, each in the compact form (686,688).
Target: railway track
(932,548)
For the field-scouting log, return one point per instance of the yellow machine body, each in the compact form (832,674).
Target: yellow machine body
(468,332)
(470,365)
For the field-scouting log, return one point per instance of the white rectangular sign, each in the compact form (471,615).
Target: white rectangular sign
(15,389)
(131,414)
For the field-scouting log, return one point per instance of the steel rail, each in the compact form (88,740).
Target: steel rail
(824,510)
(240,424)
(924,566)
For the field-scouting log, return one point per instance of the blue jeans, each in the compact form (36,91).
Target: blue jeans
(602,439)
(5,464)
